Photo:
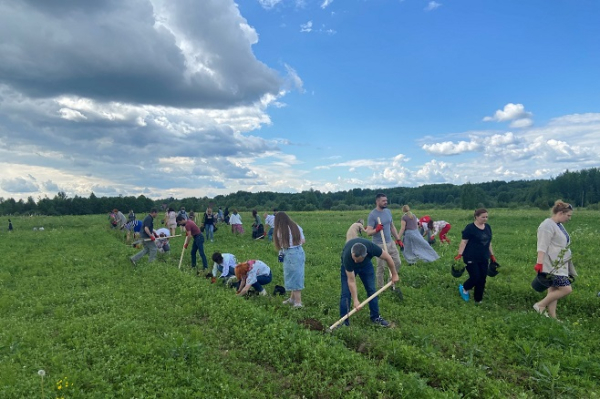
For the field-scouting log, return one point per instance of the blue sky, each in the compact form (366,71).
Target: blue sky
(195,98)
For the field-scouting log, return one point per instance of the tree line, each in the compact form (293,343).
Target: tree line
(581,188)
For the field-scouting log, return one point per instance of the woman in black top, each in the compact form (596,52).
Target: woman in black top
(476,249)
(209,224)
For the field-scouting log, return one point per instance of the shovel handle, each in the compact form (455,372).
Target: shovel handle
(369,299)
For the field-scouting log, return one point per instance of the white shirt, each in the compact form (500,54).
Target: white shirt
(235,219)
(164,231)
(229,261)
(259,268)
(270,220)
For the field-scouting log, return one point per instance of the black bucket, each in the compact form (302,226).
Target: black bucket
(456,273)
(492,270)
(541,282)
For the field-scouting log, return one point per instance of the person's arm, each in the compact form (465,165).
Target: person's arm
(188,237)
(461,247)
(352,287)
(394,232)
(243,288)
(225,270)
(390,262)
(402,228)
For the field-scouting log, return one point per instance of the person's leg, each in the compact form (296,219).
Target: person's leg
(271,234)
(194,249)
(480,284)
(261,281)
(381,266)
(443,233)
(367,276)
(393,251)
(473,271)
(200,244)
(550,301)
(345,297)
(152,251)
(140,254)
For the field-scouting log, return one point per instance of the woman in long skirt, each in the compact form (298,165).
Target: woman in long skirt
(415,246)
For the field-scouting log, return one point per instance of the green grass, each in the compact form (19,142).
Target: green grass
(72,305)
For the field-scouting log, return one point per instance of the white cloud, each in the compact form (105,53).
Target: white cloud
(268,4)
(19,185)
(512,112)
(307,27)
(450,148)
(432,5)
(326,3)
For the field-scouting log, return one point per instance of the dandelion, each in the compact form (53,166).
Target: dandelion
(42,373)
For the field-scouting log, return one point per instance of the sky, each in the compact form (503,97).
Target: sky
(195,98)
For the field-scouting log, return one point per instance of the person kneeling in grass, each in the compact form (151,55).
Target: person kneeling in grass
(225,264)
(253,273)
(356,260)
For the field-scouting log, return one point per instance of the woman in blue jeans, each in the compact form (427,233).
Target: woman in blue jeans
(253,273)
(288,238)
(209,224)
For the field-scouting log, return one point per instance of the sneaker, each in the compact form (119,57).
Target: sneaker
(540,310)
(297,306)
(463,295)
(288,301)
(263,293)
(380,321)
(133,262)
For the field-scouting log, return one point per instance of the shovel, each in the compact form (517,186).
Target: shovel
(397,292)
(369,299)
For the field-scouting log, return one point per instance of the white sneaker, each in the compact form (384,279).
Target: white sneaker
(297,306)
(288,301)
(263,293)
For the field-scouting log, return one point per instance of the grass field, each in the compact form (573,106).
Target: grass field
(72,305)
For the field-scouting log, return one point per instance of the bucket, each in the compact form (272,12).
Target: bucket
(492,270)
(456,273)
(541,282)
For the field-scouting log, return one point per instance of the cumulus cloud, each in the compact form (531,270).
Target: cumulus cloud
(512,112)
(307,27)
(149,52)
(450,148)
(18,185)
(432,5)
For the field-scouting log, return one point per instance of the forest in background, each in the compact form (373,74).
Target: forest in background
(581,188)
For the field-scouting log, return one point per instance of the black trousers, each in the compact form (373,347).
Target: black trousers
(477,277)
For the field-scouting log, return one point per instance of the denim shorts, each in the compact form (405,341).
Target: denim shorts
(293,268)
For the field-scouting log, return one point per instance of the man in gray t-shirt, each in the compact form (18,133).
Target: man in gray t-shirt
(387,226)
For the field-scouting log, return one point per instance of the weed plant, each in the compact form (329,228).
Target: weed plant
(71,304)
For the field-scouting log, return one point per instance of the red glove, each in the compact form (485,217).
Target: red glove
(538,267)
(152,238)
(457,257)
(185,246)
(378,228)
(400,243)
(213,280)
(493,258)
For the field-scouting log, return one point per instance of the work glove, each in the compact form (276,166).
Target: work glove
(457,257)
(400,243)
(185,246)
(378,227)
(213,280)
(538,267)
(493,258)
(152,238)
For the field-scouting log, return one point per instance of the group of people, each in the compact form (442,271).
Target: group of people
(287,236)
(475,250)
(554,258)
